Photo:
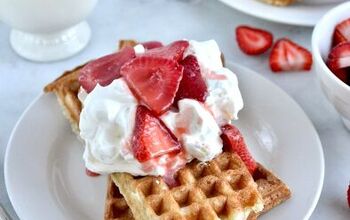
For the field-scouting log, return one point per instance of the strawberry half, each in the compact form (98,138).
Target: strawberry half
(192,85)
(342,32)
(105,69)
(151,138)
(339,61)
(289,56)
(253,41)
(153,80)
(234,141)
(151,44)
(173,51)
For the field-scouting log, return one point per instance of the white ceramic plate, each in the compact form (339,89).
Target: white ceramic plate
(44,170)
(302,14)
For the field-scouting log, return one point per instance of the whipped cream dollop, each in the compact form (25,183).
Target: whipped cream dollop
(196,129)
(108,117)
(224,98)
(106,125)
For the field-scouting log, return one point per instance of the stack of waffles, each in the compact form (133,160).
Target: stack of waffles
(220,189)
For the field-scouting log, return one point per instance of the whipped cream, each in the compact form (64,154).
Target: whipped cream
(196,129)
(207,53)
(139,49)
(108,117)
(224,97)
(106,125)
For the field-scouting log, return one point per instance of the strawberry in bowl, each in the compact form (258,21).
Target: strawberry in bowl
(330,48)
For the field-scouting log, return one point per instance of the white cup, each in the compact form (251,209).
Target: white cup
(47,30)
(337,92)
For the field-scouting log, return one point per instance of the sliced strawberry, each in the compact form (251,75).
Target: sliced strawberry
(338,38)
(253,41)
(151,138)
(192,85)
(342,32)
(173,51)
(289,56)
(154,81)
(348,197)
(342,74)
(340,55)
(234,141)
(105,69)
(170,163)
(339,61)
(90,173)
(151,44)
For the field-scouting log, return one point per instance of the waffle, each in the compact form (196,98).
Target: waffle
(66,88)
(220,189)
(116,207)
(279,2)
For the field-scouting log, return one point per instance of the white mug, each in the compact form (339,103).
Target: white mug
(47,30)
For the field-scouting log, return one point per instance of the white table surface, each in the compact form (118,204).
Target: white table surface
(21,80)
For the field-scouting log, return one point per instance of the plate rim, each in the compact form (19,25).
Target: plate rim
(8,186)
(272,18)
(230,64)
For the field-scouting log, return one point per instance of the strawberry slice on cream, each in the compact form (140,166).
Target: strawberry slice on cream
(151,138)
(154,81)
(104,70)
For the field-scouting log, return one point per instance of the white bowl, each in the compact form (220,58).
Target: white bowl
(337,92)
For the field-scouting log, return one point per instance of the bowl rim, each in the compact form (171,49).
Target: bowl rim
(341,8)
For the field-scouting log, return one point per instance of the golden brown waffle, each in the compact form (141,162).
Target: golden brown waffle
(66,87)
(279,2)
(116,207)
(271,188)
(220,189)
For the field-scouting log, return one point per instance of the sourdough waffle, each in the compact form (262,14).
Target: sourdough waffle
(279,2)
(66,88)
(220,189)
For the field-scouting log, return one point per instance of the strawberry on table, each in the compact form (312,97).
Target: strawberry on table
(253,41)
(289,56)
(234,141)
(153,80)
(105,69)
(173,51)
(151,138)
(342,32)
(192,84)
